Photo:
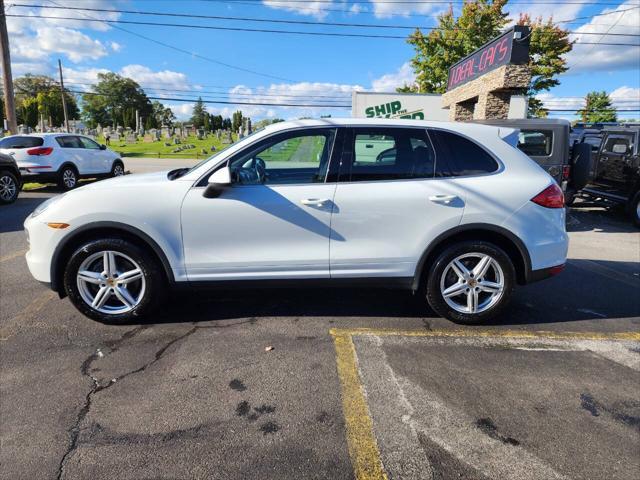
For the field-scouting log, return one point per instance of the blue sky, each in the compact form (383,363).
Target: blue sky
(309,68)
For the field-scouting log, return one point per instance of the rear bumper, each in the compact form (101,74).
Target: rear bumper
(543,273)
(38,177)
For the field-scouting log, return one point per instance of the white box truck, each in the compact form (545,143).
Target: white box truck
(417,106)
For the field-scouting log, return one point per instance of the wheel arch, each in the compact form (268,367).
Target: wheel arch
(501,237)
(95,230)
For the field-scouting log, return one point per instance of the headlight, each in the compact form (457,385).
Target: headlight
(44,205)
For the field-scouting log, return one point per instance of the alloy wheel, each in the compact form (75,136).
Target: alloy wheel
(118,170)
(8,188)
(111,282)
(472,283)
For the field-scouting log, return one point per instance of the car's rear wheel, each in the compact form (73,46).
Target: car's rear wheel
(68,178)
(118,169)
(470,282)
(113,281)
(9,187)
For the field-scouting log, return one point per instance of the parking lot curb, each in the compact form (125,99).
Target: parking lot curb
(361,440)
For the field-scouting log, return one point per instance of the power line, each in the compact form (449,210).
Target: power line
(277,21)
(308,105)
(260,30)
(178,49)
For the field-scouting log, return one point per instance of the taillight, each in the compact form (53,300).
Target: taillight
(40,151)
(550,197)
(566,172)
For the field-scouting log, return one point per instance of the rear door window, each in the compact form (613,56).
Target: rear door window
(458,156)
(382,153)
(536,143)
(69,141)
(19,142)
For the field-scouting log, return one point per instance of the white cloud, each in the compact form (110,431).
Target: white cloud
(162,79)
(389,8)
(82,78)
(621,98)
(311,7)
(391,81)
(115,46)
(83,17)
(587,58)
(76,45)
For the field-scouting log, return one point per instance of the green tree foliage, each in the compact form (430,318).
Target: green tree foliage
(226,124)
(548,45)
(162,116)
(479,22)
(598,108)
(216,122)
(236,121)
(267,121)
(114,101)
(199,114)
(40,95)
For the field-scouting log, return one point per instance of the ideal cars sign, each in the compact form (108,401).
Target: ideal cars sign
(512,47)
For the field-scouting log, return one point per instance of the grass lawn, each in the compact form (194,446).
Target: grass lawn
(158,149)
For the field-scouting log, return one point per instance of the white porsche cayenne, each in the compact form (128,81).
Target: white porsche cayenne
(451,211)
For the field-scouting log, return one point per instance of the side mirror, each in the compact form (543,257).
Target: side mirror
(103,147)
(220,180)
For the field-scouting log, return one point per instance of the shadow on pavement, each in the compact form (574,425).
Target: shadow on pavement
(584,291)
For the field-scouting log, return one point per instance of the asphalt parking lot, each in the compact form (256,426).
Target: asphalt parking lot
(359,383)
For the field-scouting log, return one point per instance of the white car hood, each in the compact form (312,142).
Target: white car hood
(134,180)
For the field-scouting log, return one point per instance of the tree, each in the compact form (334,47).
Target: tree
(226,124)
(237,121)
(479,22)
(114,101)
(162,116)
(199,113)
(216,122)
(548,44)
(38,95)
(598,108)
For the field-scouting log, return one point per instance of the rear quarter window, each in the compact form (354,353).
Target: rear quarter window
(21,142)
(457,156)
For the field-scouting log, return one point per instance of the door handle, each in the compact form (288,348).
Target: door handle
(314,202)
(446,199)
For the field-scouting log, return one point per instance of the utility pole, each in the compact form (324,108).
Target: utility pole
(64,100)
(7,78)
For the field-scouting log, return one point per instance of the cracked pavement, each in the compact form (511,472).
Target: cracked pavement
(192,393)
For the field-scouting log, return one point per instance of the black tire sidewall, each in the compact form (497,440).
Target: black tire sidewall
(113,168)
(434,296)
(9,174)
(61,183)
(151,271)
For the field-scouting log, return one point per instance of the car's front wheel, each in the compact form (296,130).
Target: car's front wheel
(9,187)
(113,281)
(470,282)
(118,169)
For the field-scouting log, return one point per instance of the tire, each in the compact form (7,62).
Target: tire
(68,177)
(442,276)
(9,187)
(633,208)
(142,291)
(117,169)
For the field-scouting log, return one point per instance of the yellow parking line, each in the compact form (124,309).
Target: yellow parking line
(363,449)
(29,312)
(470,332)
(13,255)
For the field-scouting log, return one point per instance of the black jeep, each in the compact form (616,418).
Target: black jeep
(615,170)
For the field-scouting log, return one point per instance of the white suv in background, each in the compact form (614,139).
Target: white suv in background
(61,158)
(452,211)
